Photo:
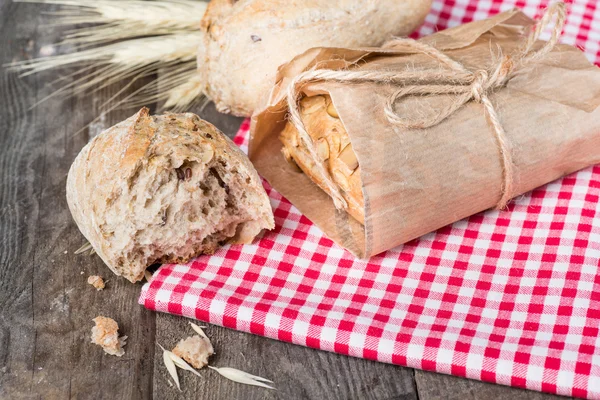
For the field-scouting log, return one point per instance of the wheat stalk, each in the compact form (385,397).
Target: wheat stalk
(180,362)
(172,361)
(133,54)
(239,376)
(135,40)
(199,330)
(87,246)
(124,19)
(170,365)
(181,96)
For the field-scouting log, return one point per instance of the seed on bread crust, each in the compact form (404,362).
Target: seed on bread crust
(323,148)
(290,160)
(348,157)
(332,111)
(311,104)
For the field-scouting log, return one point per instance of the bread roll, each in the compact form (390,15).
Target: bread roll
(247,40)
(166,188)
(333,146)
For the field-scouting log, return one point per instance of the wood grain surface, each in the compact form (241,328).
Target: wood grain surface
(46,305)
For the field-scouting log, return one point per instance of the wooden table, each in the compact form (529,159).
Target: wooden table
(46,306)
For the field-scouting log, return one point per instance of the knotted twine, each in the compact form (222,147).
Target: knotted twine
(453,79)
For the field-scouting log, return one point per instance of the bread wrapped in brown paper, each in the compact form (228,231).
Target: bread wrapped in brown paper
(332,145)
(519,119)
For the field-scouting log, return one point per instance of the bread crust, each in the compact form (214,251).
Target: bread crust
(332,143)
(102,175)
(247,40)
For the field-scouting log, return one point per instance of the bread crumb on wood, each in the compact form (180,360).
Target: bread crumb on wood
(96,281)
(106,335)
(195,350)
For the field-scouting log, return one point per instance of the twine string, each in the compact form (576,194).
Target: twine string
(452,79)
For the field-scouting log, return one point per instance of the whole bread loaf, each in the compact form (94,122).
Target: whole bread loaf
(246,41)
(166,188)
(332,145)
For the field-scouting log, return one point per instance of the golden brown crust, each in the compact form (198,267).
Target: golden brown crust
(333,146)
(247,40)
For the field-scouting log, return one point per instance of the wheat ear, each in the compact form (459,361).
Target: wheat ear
(117,20)
(134,39)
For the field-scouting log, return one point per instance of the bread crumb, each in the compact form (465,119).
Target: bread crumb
(106,335)
(96,281)
(195,350)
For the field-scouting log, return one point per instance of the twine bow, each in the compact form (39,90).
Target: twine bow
(453,79)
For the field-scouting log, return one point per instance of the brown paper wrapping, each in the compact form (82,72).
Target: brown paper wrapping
(416,181)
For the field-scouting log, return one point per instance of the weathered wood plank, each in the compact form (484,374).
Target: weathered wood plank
(63,301)
(47,306)
(18,213)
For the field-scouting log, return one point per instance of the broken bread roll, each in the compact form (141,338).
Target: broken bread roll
(165,188)
(333,147)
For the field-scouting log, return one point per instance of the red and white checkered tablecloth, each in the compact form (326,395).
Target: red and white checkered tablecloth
(510,297)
